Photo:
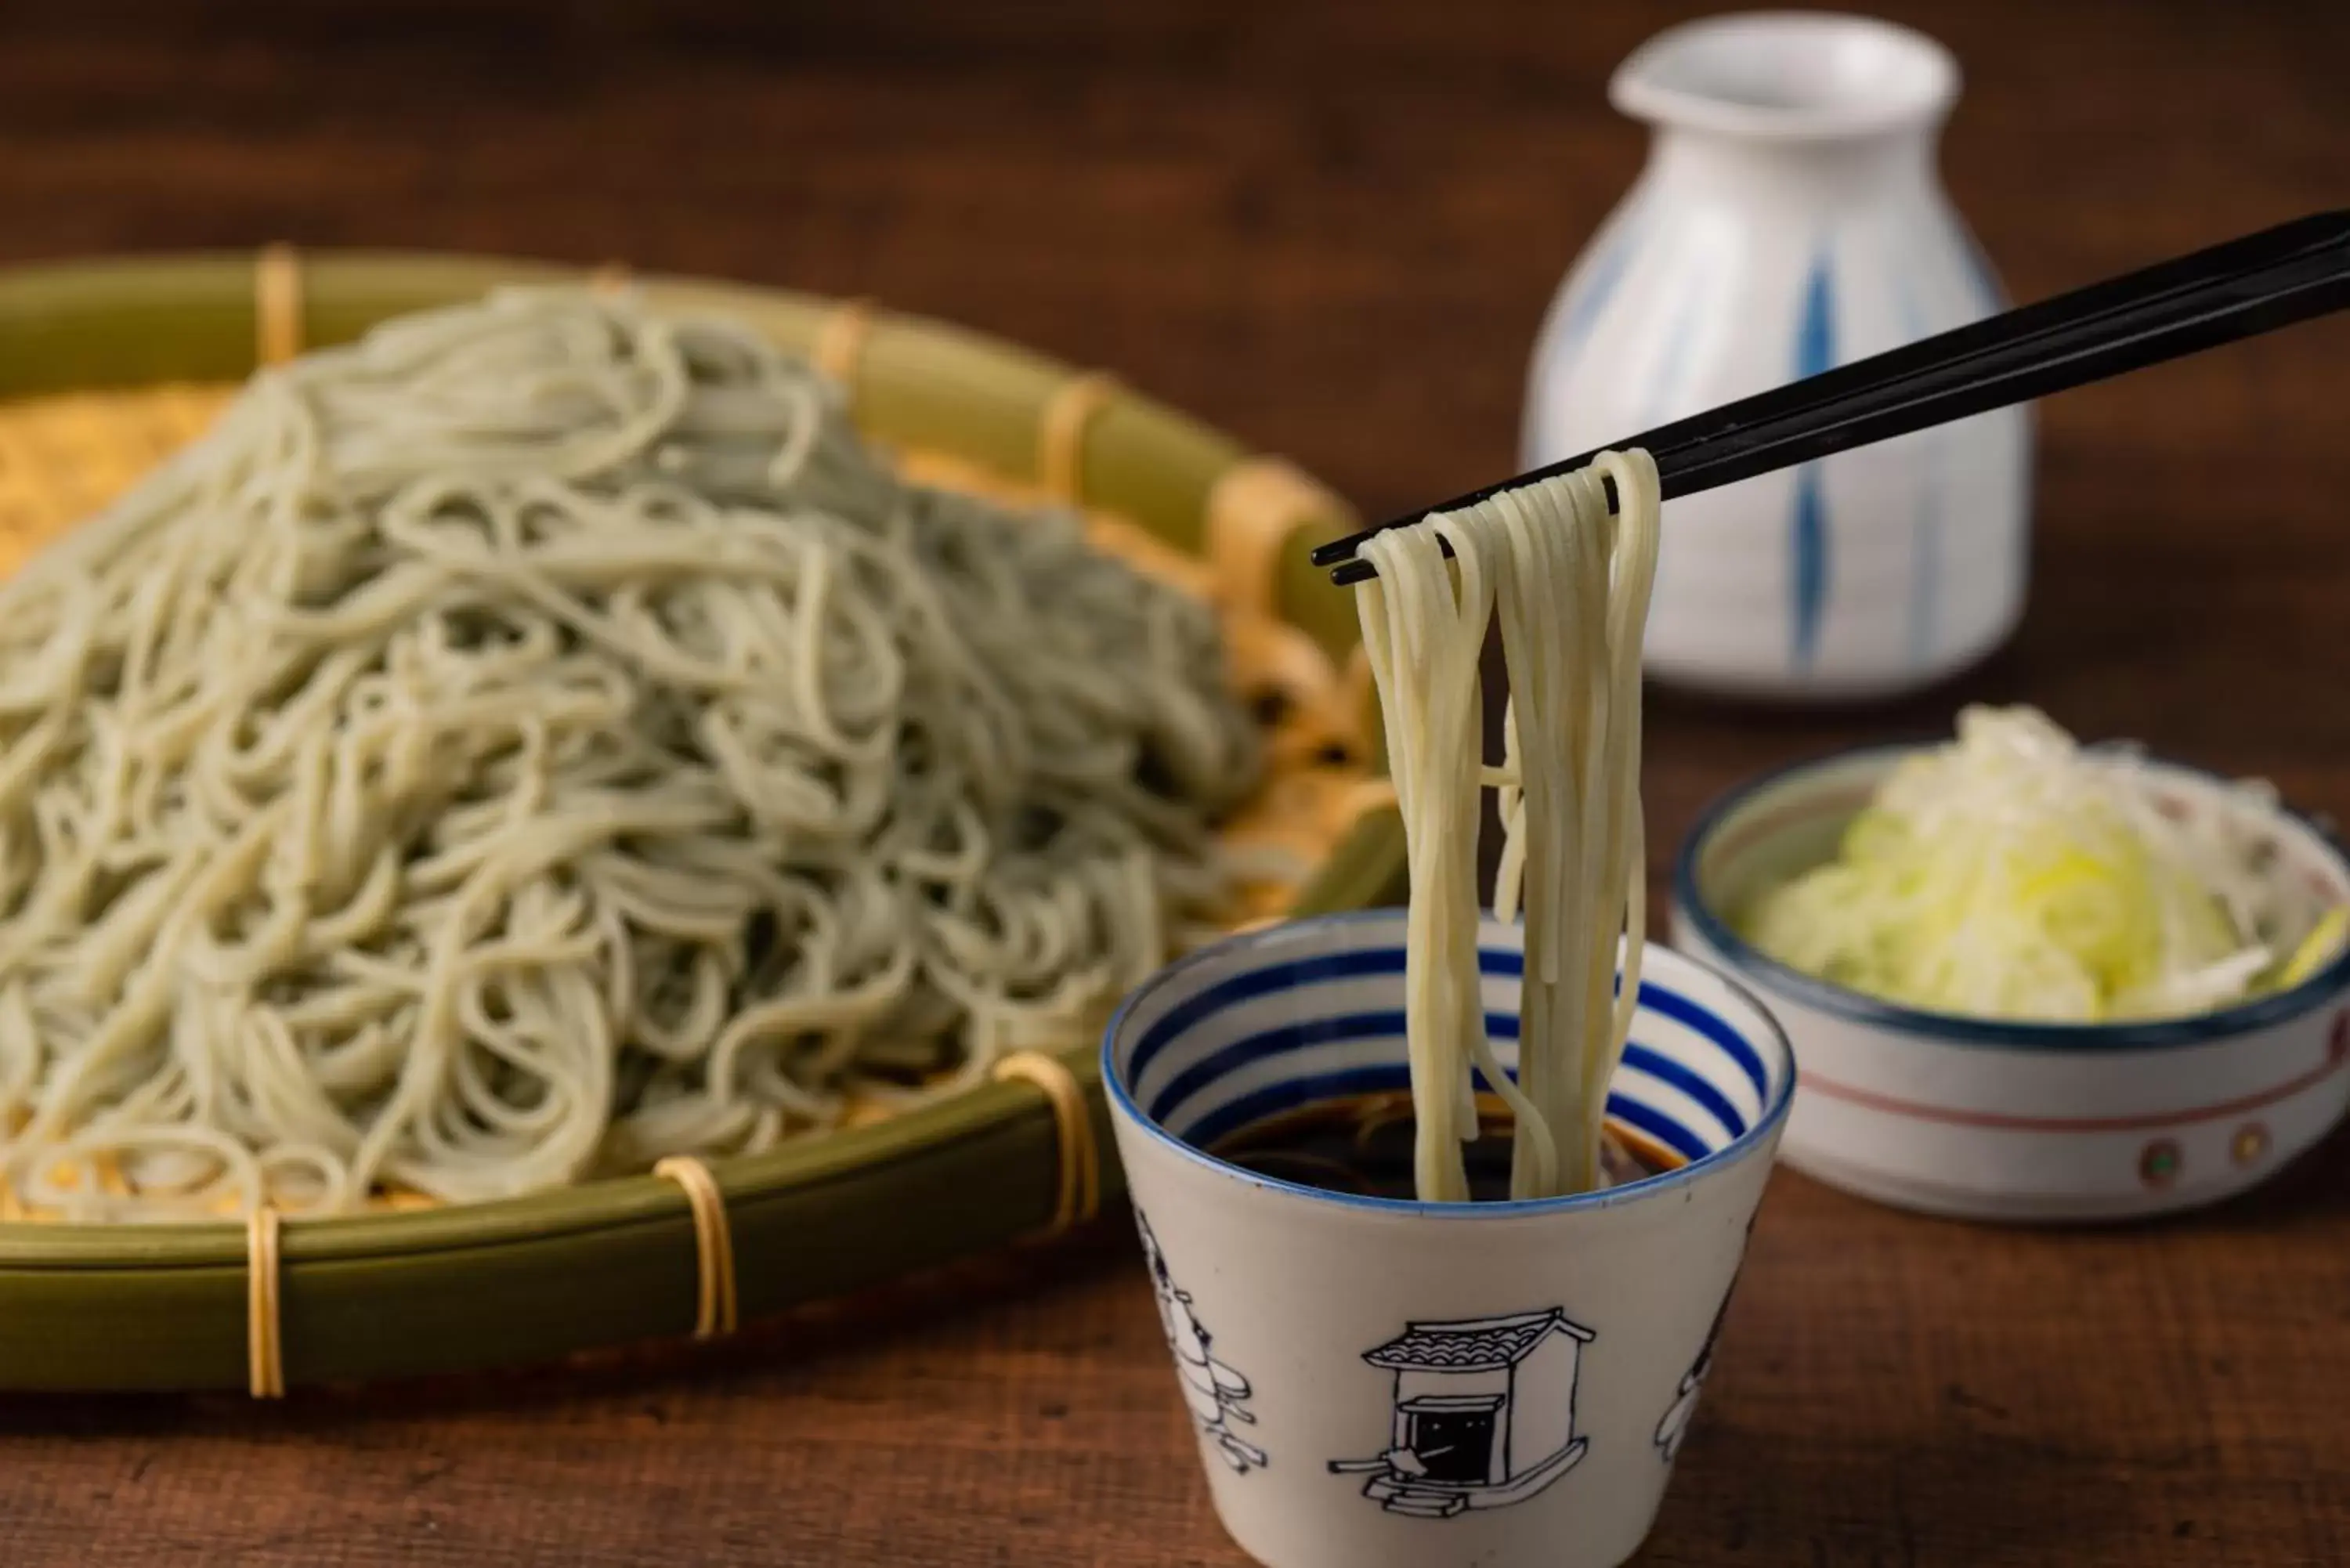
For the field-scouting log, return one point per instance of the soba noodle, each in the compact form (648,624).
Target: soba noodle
(1567,581)
(540,738)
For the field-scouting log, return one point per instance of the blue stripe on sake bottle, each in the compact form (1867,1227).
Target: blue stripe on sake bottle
(1809,563)
(1593,291)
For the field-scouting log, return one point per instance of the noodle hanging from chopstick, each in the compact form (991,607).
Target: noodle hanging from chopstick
(1567,582)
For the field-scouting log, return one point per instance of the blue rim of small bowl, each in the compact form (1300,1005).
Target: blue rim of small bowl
(1957,1029)
(1722,1158)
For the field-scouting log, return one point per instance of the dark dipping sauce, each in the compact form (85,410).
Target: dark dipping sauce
(1362,1145)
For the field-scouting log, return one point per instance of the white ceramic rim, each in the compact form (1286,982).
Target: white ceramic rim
(1646,86)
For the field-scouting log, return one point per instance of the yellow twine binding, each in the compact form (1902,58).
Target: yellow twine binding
(839,346)
(1061,432)
(277,304)
(715,1310)
(1077,1192)
(1254,509)
(265,1349)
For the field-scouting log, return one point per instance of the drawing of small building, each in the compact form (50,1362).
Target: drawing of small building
(1484,1412)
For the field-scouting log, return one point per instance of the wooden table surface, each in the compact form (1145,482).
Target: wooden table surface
(1331,228)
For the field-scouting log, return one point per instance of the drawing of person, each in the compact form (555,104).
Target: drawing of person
(1216,1395)
(1678,1415)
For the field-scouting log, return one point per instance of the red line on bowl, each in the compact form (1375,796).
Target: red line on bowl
(1918,1110)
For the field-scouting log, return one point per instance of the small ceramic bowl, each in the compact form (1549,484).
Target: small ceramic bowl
(1387,1383)
(1991,1120)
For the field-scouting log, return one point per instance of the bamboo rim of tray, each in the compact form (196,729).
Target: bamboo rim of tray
(626,1260)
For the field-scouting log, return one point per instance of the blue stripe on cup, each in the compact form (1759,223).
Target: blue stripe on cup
(1664,1069)
(1290,1032)
(1386,1078)
(1714,1027)
(1290,976)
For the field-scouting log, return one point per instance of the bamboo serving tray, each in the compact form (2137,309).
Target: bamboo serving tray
(107,366)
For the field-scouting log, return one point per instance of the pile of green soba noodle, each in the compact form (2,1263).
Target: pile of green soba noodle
(540,738)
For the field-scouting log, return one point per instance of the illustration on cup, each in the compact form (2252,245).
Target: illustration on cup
(1683,1409)
(1678,1414)
(1484,1412)
(1217,1396)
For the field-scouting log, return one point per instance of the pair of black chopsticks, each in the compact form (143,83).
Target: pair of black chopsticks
(2239,289)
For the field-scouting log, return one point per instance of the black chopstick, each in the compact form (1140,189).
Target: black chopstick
(2239,289)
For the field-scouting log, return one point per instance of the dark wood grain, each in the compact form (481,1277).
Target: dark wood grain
(1331,228)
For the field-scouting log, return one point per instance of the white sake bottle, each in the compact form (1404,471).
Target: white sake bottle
(1790,219)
